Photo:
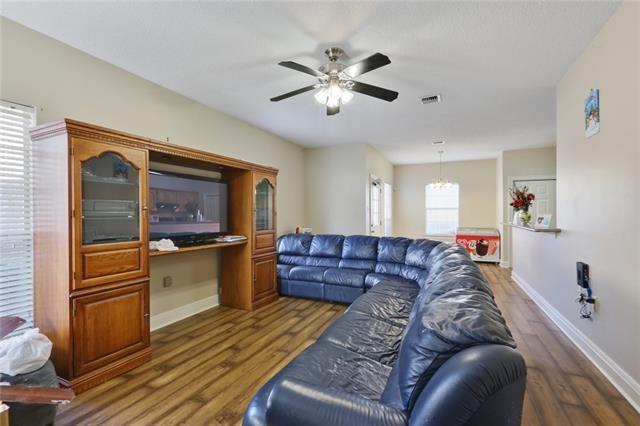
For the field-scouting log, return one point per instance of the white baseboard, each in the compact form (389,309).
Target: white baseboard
(627,386)
(505,264)
(165,318)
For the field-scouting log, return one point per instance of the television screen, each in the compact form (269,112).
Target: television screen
(184,204)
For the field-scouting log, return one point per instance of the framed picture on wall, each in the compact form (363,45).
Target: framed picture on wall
(592,113)
(542,221)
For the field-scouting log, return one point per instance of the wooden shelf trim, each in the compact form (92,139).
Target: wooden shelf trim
(197,248)
(103,134)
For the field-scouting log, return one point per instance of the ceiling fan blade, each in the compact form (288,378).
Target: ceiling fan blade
(302,68)
(295,92)
(375,91)
(368,64)
(333,110)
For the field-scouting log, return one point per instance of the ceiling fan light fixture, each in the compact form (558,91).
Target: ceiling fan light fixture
(335,85)
(332,95)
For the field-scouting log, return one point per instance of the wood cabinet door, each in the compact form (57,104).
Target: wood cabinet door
(264,213)
(110,193)
(264,277)
(110,325)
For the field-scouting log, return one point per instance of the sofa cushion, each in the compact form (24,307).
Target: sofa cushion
(397,288)
(367,265)
(292,259)
(373,338)
(379,305)
(392,249)
(294,244)
(327,262)
(376,278)
(360,247)
(463,276)
(345,277)
(437,330)
(389,268)
(335,367)
(283,270)
(441,252)
(418,252)
(326,246)
(307,273)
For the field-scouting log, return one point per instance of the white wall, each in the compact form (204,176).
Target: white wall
(519,163)
(598,188)
(65,82)
(477,180)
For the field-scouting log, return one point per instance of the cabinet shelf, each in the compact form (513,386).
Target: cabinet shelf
(197,248)
(107,180)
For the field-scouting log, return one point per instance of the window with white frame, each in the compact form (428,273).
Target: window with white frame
(442,208)
(16,213)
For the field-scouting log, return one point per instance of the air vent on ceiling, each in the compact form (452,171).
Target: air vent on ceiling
(438,143)
(433,99)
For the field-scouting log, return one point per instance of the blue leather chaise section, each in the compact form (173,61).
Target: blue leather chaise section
(422,343)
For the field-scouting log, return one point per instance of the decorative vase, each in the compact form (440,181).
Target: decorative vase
(525,217)
(516,218)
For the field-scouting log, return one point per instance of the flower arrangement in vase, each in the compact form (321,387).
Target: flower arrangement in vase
(521,200)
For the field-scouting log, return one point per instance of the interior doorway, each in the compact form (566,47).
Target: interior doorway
(545,192)
(376,207)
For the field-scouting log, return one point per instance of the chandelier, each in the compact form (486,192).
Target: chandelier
(440,182)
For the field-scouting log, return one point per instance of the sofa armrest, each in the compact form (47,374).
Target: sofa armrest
(294,403)
(481,385)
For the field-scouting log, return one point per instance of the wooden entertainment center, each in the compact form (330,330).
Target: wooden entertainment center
(91,294)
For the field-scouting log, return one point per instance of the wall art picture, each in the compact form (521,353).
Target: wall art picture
(592,113)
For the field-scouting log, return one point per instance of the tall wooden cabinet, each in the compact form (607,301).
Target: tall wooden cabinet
(91,255)
(263,257)
(91,266)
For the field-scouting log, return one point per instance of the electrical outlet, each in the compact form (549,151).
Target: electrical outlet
(167,281)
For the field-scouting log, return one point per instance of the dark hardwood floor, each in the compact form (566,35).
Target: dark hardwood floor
(206,368)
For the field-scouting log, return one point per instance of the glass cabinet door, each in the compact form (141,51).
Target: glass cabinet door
(264,193)
(110,200)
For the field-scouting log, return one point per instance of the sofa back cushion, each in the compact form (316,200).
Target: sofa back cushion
(392,249)
(457,319)
(326,246)
(419,251)
(325,251)
(359,252)
(294,244)
(293,249)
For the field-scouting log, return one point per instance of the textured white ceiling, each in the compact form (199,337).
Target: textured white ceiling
(496,64)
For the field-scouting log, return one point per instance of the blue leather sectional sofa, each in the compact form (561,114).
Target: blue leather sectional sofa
(422,343)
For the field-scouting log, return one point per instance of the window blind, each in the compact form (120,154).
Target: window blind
(442,206)
(16,213)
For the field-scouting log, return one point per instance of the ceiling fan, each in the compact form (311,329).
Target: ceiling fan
(335,80)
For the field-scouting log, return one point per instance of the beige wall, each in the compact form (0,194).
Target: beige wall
(519,163)
(337,187)
(477,194)
(335,179)
(65,82)
(598,188)
(378,165)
